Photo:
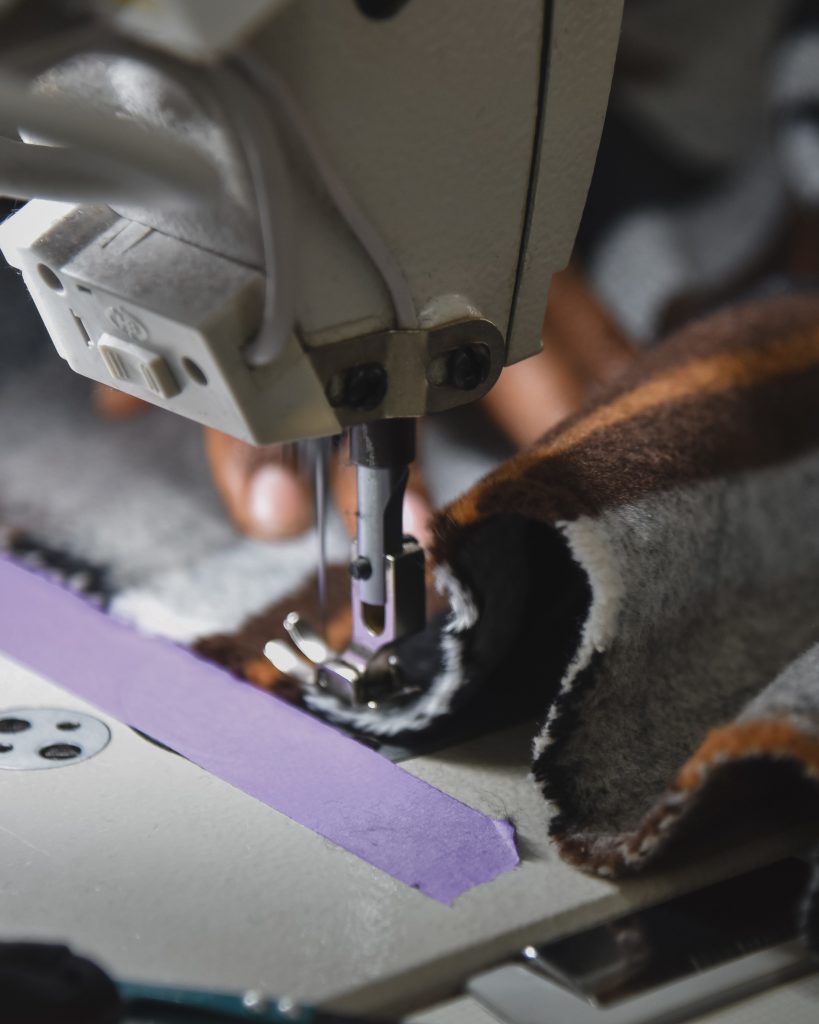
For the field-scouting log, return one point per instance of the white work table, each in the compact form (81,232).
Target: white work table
(163,873)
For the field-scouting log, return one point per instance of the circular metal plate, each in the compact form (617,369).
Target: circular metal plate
(37,738)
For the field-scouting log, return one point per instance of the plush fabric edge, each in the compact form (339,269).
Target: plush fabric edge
(774,740)
(435,702)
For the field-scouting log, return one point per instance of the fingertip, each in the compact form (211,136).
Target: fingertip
(112,404)
(417,516)
(277,503)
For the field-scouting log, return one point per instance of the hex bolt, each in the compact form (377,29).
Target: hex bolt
(360,387)
(468,367)
(360,568)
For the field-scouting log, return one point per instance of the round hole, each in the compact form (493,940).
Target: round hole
(5,748)
(68,726)
(14,725)
(50,278)
(194,371)
(60,751)
(379,10)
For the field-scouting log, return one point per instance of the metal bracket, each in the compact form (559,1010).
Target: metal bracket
(395,374)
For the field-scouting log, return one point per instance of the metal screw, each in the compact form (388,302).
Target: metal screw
(287,1008)
(360,387)
(468,366)
(360,568)
(255,1002)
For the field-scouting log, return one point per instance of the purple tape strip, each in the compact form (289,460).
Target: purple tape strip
(271,750)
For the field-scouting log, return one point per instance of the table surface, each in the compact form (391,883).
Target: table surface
(164,873)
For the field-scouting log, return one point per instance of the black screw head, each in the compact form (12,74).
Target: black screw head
(360,568)
(360,387)
(468,367)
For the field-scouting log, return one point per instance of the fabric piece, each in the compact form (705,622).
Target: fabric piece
(687,498)
(133,502)
(647,577)
(241,652)
(270,750)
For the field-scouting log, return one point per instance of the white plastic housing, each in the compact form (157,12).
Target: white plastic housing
(466,131)
(160,319)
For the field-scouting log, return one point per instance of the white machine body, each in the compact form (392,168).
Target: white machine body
(466,132)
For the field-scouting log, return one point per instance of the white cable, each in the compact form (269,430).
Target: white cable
(265,161)
(380,254)
(154,155)
(256,134)
(52,172)
(159,158)
(143,158)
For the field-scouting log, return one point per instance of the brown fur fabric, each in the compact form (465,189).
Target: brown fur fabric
(646,579)
(709,448)
(687,496)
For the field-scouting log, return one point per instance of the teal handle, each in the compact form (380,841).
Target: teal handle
(141,999)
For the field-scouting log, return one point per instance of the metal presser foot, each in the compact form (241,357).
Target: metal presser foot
(388,591)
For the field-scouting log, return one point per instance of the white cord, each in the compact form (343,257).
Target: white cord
(53,172)
(151,160)
(135,164)
(380,254)
(110,160)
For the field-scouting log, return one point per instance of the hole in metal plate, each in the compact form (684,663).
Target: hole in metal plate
(60,751)
(14,725)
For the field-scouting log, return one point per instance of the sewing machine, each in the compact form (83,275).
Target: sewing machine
(377,196)
(320,218)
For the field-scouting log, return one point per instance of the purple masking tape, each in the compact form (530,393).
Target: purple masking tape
(292,762)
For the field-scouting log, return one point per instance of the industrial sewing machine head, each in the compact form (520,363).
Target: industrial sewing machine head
(291,219)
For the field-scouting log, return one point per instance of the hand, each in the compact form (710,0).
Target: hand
(583,349)
(267,497)
(263,490)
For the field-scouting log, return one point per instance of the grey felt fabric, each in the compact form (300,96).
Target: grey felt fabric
(701,597)
(135,500)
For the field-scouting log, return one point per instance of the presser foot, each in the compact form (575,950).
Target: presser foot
(357,678)
(388,584)
(368,672)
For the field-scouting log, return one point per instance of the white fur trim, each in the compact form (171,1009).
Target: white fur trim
(590,548)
